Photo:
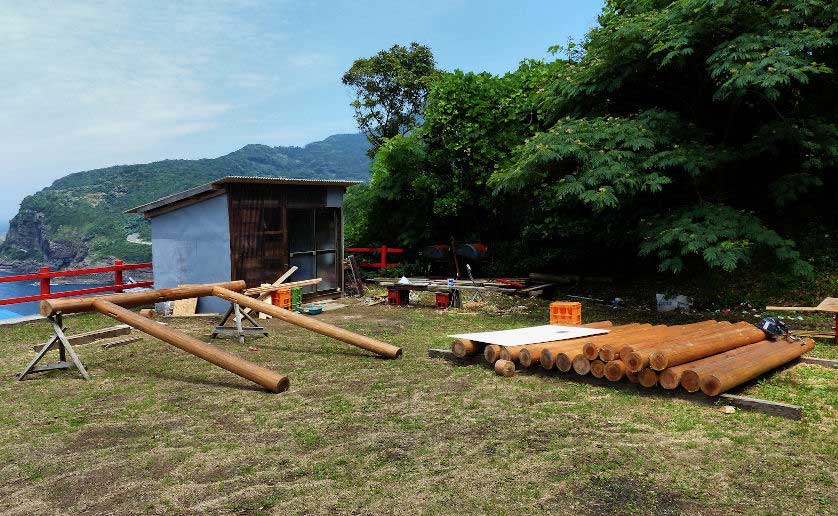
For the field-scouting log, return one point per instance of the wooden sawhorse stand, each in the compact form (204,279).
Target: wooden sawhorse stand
(241,331)
(59,340)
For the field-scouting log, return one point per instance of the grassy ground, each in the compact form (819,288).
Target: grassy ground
(158,431)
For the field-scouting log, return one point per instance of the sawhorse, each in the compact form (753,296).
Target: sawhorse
(59,340)
(240,331)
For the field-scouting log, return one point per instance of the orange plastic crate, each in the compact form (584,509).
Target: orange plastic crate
(565,312)
(281,298)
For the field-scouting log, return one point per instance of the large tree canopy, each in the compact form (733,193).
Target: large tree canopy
(693,131)
(390,89)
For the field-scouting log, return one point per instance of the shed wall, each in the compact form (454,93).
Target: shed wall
(192,245)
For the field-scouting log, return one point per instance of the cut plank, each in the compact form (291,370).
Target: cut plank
(121,342)
(287,274)
(92,336)
(185,307)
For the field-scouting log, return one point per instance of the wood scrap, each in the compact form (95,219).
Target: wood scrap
(94,335)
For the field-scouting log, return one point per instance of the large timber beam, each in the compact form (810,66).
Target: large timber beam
(268,379)
(361,341)
(72,305)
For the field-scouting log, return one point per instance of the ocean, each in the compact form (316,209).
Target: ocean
(28,288)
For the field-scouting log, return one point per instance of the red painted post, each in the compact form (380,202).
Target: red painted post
(384,256)
(45,280)
(117,274)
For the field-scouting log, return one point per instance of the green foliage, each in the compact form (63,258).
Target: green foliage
(691,131)
(390,90)
(725,238)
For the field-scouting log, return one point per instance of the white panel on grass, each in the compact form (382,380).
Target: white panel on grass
(531,335)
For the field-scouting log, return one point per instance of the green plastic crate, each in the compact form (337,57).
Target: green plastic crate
(296,298)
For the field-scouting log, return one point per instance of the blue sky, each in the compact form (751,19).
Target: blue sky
(93,84)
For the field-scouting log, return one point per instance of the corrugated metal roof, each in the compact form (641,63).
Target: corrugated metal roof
(285,181)
(217,186)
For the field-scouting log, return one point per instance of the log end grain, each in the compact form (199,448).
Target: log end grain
(615,370)
(547,359)
(564,362)
(647,378)
(504,354)
(632,376)
(669,379)
(608,353)
(658,360)
(581,365)
(690,380)
(711,385)
(505,368)
(591,351)
(525,358)
(597,368)
(463,348)
(635,362)
(491,353)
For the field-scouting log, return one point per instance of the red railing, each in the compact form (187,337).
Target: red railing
(45,275)
(383,251)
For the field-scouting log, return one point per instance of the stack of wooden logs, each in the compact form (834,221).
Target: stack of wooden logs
(711,356)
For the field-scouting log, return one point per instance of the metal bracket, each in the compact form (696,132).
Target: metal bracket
(59,340)
(241,331)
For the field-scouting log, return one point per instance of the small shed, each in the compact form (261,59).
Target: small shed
(251,229)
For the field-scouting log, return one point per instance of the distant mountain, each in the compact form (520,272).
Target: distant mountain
(78,220)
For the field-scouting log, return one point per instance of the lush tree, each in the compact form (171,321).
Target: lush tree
(698,133)
(700,122)
(390,90)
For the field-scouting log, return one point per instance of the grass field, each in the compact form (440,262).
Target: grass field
(159,431)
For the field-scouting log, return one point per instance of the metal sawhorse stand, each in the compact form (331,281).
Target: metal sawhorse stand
(240,330)
(59,340)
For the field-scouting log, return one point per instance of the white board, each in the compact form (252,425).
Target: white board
(531,335)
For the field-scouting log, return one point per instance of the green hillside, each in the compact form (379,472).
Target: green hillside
(80,219)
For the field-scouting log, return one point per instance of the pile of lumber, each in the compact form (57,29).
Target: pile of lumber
(709,355)
(517,286)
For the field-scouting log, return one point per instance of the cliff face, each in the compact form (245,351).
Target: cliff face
(27,244)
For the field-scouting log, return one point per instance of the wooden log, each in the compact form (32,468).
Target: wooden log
(695,349)
(615,370)
(564,358)
(691,377)
(611,351)
(736,371)
(647,377)
(268,379)
(72,305)
(597,368)
(376,346)
(465,347)
(581,365)
(513,353)
(491,353)
(592,347)
(637,355)
(149,313)
(549,356)
(505,368)
(671,377)
(92,336)
(632,376)
(621,349)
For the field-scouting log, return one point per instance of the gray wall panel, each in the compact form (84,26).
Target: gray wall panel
(192,245)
